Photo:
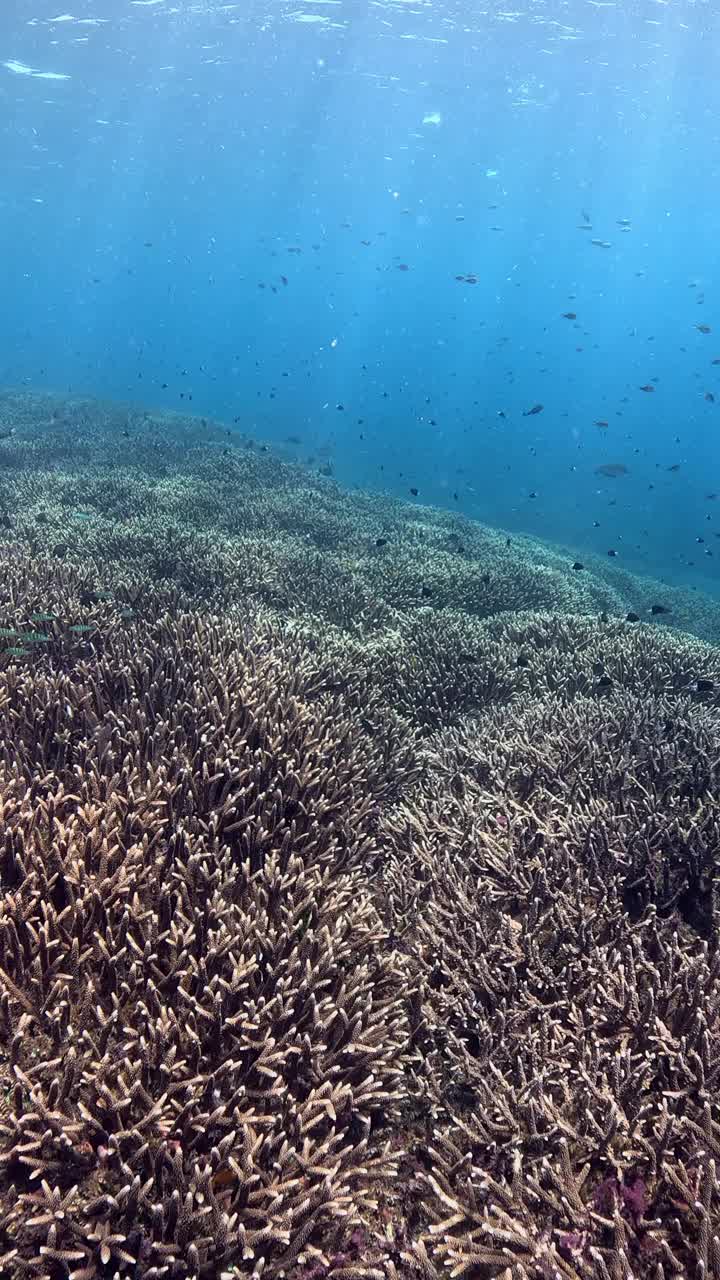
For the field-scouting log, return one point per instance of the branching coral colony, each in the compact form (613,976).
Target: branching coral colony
(351,924)
(200,1021)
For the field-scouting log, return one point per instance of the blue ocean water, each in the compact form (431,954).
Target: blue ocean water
(377,233)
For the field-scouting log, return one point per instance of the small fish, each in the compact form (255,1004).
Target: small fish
(578,565)
(600,422)
(709,397)
(381,542)
(703,685)
(403,266)
(648,387)
(602,244)
(632,617)
(604,682)
(414,492)
(569,315)
(675,466)
(612,553)
(716,360)
(612,470)
(537,408)
(703,328)
(656,609)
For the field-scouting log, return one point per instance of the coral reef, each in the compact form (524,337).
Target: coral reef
(200,1017)
(149,499)
(555,881)
(359,882)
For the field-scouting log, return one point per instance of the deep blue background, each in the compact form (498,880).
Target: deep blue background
(147,197)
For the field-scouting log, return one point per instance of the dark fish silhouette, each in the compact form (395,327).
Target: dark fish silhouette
(655,609)
(537,408)
(632,617)
(703,328)
(569,315)
(612,469)
(648,387)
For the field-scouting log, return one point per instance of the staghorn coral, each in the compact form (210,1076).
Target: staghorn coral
(554,887)
(200,1018)
(183,504)
(352,923)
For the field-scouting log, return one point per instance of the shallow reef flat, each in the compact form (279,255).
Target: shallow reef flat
(358,880)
